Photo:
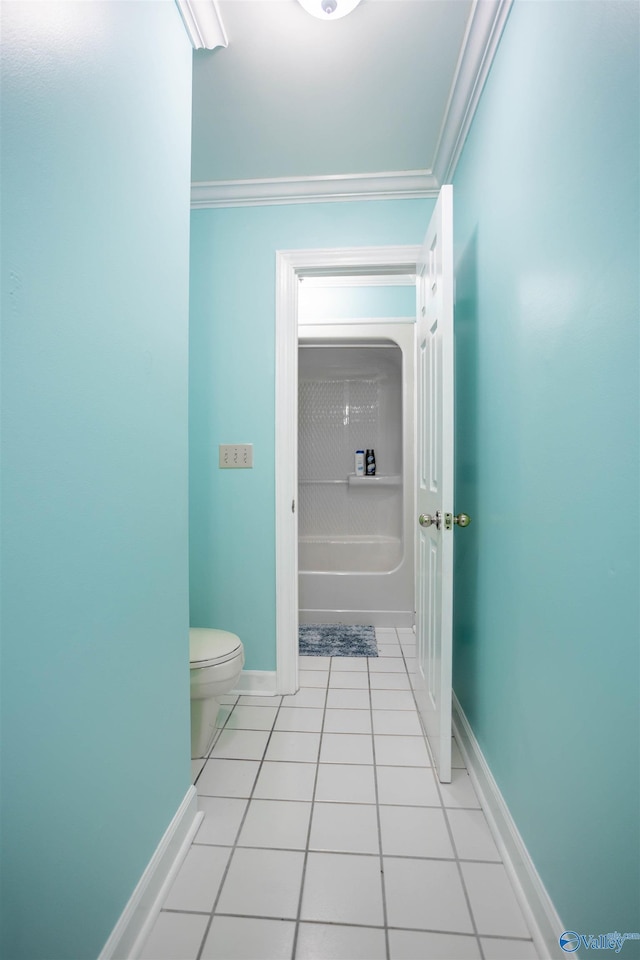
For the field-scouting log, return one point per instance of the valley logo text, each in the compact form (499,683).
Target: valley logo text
(570,941)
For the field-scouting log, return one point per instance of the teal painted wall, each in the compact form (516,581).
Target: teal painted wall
(95,682)
(232,394)
(546,609)
(349,303)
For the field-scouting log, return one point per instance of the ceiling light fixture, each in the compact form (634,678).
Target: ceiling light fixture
(329,9)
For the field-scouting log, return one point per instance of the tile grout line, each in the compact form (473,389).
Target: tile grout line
(387,766)
(446,810)
(234,846)
(303,875)
(342,853)
(228,864)
(457,859)
(216,737)
(357,926)
(443,808)
(385,918)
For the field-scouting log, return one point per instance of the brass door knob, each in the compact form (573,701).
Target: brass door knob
(463,519)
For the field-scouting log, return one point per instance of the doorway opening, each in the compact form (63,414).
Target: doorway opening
(291,267)
(355,533)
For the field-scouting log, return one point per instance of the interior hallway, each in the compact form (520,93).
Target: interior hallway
(327,835)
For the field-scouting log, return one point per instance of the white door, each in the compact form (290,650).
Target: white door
(434,520)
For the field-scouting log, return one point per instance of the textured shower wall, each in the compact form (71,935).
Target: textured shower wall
(338,414)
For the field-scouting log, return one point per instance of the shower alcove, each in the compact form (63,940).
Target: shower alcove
(355,545)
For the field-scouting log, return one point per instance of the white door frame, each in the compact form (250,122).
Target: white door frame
(291,265)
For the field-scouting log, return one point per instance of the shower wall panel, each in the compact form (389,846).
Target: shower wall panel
(338,416)
(350,398)
(353,554)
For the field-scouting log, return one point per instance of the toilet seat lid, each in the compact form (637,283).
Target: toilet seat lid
(208,646)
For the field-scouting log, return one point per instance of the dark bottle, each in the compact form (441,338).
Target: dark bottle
(370,463)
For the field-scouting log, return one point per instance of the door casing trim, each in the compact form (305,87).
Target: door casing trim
(291,266)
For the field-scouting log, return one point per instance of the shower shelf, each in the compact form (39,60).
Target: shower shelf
(376,481)
(301,482)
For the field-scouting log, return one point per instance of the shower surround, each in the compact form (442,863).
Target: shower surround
(355,544)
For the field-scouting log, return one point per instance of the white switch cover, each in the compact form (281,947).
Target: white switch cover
(234,456)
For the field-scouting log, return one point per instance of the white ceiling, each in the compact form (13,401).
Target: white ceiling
(377,92)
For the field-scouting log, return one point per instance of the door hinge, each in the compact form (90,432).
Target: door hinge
(293,506)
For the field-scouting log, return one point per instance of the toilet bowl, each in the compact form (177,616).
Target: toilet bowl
(216,659)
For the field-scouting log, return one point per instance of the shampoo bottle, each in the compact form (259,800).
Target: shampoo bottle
(371,463)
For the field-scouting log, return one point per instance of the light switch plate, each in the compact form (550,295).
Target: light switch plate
(235,456)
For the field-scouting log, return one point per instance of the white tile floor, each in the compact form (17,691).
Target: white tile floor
(326,835)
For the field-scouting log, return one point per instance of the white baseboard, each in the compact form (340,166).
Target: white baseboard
(139,915)
(540,913)
(257,683)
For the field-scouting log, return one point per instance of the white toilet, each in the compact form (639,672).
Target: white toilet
(216,659)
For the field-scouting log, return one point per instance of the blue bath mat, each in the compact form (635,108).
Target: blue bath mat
(337,640)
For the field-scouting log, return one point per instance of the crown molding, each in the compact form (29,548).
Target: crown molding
(484,30)
(203,24)
(406,184)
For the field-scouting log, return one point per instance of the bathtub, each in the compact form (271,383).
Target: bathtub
(371,585)
(349,555)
